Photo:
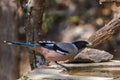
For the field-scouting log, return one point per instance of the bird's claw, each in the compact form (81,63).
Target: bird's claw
(59,66)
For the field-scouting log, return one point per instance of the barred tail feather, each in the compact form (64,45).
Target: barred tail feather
(20,43)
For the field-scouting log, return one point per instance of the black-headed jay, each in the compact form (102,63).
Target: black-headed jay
(55,51)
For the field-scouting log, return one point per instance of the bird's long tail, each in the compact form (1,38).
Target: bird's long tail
(20,43)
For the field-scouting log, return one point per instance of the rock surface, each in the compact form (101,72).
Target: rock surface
(92,55)
(85,71)
(50,74)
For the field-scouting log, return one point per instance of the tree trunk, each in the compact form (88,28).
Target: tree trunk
(35,9)
(9,65)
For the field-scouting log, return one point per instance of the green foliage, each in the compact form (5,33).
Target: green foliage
(73,19)
(23,78)
(53,2)
(49,20)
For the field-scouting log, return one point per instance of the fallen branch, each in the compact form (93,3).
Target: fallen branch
(105,32)
(117,1)
(99,37)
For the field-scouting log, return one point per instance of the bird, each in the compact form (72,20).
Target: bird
(55,51)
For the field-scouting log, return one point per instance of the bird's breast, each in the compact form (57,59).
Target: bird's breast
(55,56)
(52,55)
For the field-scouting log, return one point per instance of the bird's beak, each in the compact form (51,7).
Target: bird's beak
(90,44)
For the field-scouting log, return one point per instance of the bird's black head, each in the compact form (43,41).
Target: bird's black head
(81,44)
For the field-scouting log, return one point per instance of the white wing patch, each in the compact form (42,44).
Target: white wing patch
(9,43)
(46,42)
(60,52)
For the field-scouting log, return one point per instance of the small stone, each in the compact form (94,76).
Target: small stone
(92,55)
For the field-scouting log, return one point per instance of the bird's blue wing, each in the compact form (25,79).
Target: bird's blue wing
(62,48)
(68,48)
(53,46)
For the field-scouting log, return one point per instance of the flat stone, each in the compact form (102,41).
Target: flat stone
(111,63)
(53,74)
(92,55)
(96,72)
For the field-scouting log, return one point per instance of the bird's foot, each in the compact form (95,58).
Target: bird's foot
(60,66)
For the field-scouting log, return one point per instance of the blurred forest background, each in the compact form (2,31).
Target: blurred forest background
(64,20)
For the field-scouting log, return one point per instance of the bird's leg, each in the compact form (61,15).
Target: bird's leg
(61,66)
